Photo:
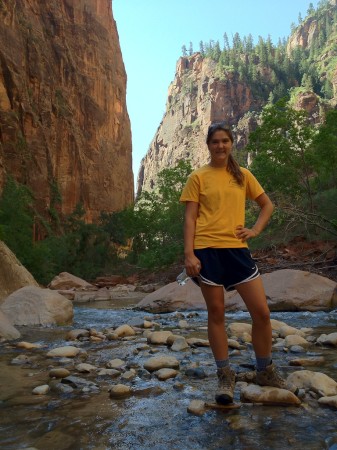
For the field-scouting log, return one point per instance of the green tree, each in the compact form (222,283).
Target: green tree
(282,149)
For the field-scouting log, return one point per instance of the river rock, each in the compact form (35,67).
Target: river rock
(160,362)
(159,337)
(294,339)
(80,383)
(198,342)
(73,335)
(67,351)
(328,401)
(328,339)
(28,345)
(7,331)
(66,280)
(115,363)
(113,373)
(165,374)
(286,330)
(314,361)
(85,368)
(268,395)
(41,390)
(124,330)
(120,391)
(196,407)
(179,345)
(239,330)
(32,305)
(315,381)
(60,372)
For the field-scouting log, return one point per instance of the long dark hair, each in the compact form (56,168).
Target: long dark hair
(232,166)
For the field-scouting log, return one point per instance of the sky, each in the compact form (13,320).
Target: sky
(152,33)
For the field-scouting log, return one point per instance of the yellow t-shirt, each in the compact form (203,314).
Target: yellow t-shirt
(221,205)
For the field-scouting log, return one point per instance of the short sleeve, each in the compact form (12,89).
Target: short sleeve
(253,187)
(191,189)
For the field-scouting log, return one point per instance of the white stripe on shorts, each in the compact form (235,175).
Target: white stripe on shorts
(252,277)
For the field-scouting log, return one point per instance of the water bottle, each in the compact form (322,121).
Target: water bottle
(182,278)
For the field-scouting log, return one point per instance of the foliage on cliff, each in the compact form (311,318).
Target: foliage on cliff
(271,70)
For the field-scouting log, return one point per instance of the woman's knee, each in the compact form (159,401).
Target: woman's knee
(261,316)
(216,313)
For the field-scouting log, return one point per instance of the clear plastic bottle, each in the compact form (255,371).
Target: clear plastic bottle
(182,278)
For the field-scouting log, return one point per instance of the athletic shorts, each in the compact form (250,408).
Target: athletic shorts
(225,267)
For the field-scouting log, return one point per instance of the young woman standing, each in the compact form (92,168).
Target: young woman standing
(217,255)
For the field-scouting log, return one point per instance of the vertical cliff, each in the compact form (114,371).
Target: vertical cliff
(64,126)
(196,97)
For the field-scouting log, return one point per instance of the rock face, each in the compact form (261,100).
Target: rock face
(65,130)
(13,275)
(196,98)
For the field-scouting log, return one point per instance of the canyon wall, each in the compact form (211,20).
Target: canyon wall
(64,126)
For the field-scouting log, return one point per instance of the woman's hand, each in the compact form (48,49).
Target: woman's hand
(245,233)
(192,265)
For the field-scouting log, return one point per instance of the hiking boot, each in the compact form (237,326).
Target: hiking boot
(226,385)
(271,377)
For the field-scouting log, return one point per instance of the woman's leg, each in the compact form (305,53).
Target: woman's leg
(215,301)
(252,293)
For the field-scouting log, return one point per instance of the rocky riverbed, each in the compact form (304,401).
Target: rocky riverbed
(124,379)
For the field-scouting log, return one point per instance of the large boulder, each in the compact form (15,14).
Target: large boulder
(286,290)
(297,290)
(7,331)
(32,305)
(174,297)
(13,275)
(66,280)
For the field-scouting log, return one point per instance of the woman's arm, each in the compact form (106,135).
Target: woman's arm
(192,263)
(266,210)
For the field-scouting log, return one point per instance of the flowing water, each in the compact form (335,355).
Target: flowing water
(153,418)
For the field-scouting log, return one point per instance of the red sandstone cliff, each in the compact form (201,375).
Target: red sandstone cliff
(64,126)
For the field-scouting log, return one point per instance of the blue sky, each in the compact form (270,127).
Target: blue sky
(152,33)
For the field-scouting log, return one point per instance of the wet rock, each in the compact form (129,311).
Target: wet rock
(59,373)
(60,388)
(294,339)
(196,407)
(165,374)
(160,362)
(68,352)
(152,391)
(56,440)
(183,324)
(120,391)
(85,368)
(239,330)
(286,330)
(196,342)
(328,401)
(113,373)
(179,345)
(143,374)
(28,345)
(128,375)
(41,390)
(159,337)
(195,372)
(315,381)
(115,363)
(79,383)
(21,359)
(124,330)
(328,339)
(318,361)
(296,349)
(232,343)
(268,395)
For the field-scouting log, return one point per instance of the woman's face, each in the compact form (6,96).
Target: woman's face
(220,147)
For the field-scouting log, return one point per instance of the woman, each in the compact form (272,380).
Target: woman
(217,255)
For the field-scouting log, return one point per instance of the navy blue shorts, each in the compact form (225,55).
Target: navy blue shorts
(225,267)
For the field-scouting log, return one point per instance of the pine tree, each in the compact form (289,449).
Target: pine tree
(184,50)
